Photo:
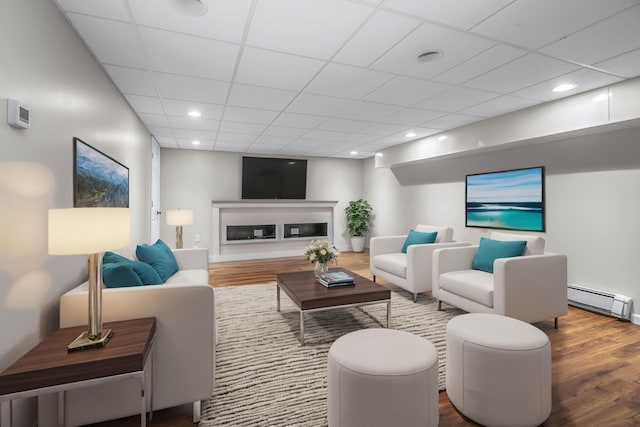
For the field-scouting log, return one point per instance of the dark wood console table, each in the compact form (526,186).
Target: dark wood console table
(48,368)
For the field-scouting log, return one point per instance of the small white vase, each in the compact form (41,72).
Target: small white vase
(320,269)
(357,243)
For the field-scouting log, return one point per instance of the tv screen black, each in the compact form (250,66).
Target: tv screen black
(271,178)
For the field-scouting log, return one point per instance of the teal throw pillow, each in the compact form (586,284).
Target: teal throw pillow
(119,275)
(490,250)
(160,257)
(418,238)
(147,274)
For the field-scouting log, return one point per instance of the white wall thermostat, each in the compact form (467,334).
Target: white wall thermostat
(18,114)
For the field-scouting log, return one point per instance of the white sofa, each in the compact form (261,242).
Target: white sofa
(184,357)
(531,288)
(410,271)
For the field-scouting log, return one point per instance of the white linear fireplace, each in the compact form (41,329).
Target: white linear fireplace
(251,229)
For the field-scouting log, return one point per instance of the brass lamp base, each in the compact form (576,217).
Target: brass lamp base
(83,342)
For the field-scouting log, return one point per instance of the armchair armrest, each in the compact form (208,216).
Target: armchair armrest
(384,245)
(451,259)
(531,288)
(192,258)
(420,262)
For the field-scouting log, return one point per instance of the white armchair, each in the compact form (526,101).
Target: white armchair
(531,288)
(410,271)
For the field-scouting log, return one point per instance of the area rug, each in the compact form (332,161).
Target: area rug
(264,377)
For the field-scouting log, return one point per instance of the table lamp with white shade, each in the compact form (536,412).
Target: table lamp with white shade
(179,218)
(90,231)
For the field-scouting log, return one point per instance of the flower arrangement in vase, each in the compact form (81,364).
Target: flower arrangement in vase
(321,252)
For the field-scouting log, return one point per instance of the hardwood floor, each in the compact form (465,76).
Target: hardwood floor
(596,359)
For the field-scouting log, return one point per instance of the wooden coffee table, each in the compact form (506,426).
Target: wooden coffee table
(309,295)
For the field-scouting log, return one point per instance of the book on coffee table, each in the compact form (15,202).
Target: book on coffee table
(336,278)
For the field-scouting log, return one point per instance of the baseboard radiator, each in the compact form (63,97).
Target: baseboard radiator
(598,301)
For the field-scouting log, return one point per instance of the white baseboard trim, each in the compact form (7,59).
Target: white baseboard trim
(635,318)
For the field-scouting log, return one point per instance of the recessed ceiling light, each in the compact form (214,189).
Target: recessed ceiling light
(410,135)
(195,142)
(442,137)
(194,113)
(190,7)
(353,153)
(564,87)
(430,55)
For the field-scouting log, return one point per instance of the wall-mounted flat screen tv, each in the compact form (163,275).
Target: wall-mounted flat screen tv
(512,199)
(273,178)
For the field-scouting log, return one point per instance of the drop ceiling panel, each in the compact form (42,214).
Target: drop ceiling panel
(181,108)
(197,134)
(535,23)
(167,141)
(188,55)
(520,73)
(375,37)
(323,135)
(193,124)
(261,67)
(245,128)
(238,147)
(501,105)
(286,132)
(145,104)
(260,97)
(318,104)
(406,91)
(224,20)
(314,28)
(451,121)
(159,131)
(342,125)
(460,13)
(154,120)
(457,47)
(114,9)
(382,129)
(359,138)
(249,115)
(626,65)
(304,121)
(236,138)
(368,111)
(456,99)
(413,116)
(132,80)
(273,140)
(112,42)
(346,81)
(191,88)
(606,39)
(585,79)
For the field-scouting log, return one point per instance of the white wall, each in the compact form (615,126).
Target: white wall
(46,66)
(191,179)
(592,202)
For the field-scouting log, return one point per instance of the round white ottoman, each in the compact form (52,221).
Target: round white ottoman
(382,377)
(498,370)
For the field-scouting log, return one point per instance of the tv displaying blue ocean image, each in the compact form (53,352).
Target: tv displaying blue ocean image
(512,199)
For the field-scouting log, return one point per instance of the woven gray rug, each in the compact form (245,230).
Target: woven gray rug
(265,378)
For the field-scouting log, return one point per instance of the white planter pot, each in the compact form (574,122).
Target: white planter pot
(357,243)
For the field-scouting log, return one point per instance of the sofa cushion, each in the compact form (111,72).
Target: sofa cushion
(418,238)
(119,275)
(189,277)
(490,250)
(160,257)
(395,263)
(474,285)
(535,244)
(147,274)
(445,234)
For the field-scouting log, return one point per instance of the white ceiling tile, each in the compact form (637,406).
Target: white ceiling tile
(420,132)
(317,104)
(413,116)
(204,143)
(114,9)
(158,131)
(323,135)
(249,115)
(606,39)
(457,47)
(145,104)
(153,120)
(295,120)
(236,138)
(191,88)
(584,79)
(456,99)
(314,28)
(535,23)
(181,108)
(112,42)
(188,145)
(188,55)
(132,80)
(406,91)
(368,111)
(167,141)
(246,128)
(193,123)
(379,34)
(224,20)
(501,105)
(520,73)
(359,138)
(461,13)
(342,125)
(306,143)
(284,131)
(346,81)
(481,63)
(238,147)
(260,97)
(261,67)
(626,65)
(191,133)
(293,151)
(451,121)
(382,129)
(273,140)
(263,149)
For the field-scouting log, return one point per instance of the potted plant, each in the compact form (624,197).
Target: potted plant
(358,216)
